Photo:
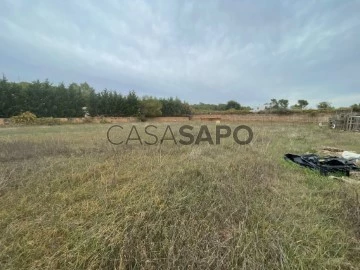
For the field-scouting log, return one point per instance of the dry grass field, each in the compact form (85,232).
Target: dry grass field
(71,200)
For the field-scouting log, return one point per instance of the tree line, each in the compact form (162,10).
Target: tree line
(282,105)
(76,100)
(230,105)
(47,100)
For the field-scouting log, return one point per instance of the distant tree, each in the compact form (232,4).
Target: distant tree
(324,105)
(221,107)
(277,106)
(233,105)
(4,95)
(150,107)
(186,109)
(283,104)
(93,106)
(246,108)
(303,103)
(274,104)
(206,107)
(132,104)
(76,101)
(175,107)
(356,107)
(86,92)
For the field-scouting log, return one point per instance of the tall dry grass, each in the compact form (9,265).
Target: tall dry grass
(70,200)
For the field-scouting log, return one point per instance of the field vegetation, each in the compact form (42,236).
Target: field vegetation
(71,200)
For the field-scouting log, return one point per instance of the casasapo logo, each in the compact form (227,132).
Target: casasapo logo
(117,135)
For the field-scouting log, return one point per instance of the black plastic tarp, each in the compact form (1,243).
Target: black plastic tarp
(325,165)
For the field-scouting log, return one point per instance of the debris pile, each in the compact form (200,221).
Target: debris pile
(333,161)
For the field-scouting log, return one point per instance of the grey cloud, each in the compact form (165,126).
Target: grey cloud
(209,51)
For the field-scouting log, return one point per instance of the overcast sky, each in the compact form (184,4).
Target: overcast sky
(208,51)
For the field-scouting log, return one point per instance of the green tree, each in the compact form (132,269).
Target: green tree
(150,107)
(283,104)
(324,105)
(174,107)
(302,103)
(274,104)
(86,92)
(356,107)
(185,109)
(4,96)
(132,104)
(221,107)
(232,104)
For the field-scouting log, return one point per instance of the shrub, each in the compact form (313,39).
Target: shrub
(26,118)
(150,107)
(141,118)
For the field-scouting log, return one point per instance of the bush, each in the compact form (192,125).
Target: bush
(150,107)
(141,118)
(26,118)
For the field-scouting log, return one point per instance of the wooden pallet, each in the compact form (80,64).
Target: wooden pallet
(353,123)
